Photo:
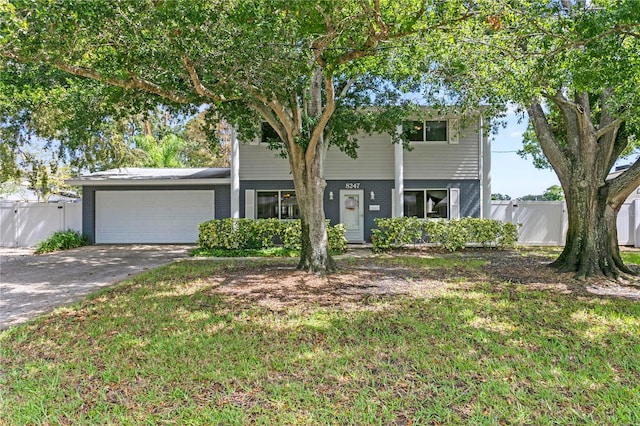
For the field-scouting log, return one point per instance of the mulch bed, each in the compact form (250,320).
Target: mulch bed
(278,286)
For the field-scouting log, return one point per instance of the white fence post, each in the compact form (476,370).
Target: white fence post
(635,227)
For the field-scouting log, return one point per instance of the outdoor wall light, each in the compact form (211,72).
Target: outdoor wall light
(372,195)
(331,195)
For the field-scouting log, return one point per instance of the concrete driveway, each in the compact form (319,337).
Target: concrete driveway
(34,284)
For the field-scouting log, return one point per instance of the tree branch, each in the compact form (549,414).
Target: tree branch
(547,140)
(563,102)
(276,116)
(270,118)
(576,117)
(621,186)
(347,86)
(614,125)
(329,108)
(200,88)
(318,46)
(382,33)
(133,82)
(296,111)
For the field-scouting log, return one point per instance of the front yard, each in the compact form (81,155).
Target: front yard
(422,337)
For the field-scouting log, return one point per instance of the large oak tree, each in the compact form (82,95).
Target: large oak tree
(317,71)
(574,67)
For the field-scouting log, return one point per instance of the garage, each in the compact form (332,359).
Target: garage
(151,206)
(151,216)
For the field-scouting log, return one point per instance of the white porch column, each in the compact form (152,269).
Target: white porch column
(398,154)
(485,171)
(235,175)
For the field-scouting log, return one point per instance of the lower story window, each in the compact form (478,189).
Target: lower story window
(426,203)
(277,204)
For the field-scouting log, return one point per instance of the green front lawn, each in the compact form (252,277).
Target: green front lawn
(169,347)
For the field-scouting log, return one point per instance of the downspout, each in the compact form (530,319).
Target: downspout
(235,175)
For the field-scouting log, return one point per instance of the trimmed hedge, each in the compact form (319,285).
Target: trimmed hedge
(454,234)
(240,234)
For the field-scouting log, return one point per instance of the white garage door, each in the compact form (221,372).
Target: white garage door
(151,216)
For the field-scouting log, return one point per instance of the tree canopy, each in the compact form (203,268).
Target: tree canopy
(320,71)
(313,70)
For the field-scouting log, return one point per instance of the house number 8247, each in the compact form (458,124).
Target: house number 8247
(352,185)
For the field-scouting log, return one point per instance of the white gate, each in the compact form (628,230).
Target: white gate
(8,225)
(25,224)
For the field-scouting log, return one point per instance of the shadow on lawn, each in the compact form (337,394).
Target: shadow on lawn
(242,342)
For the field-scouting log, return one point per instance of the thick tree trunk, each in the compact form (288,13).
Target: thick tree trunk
(582,157)
(592,243)
(310,185)
(307,167)
(314,256)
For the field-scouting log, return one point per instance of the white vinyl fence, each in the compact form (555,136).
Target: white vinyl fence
(25,224)
(539,222)
(545,222)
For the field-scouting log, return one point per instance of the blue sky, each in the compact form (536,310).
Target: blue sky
(511,174)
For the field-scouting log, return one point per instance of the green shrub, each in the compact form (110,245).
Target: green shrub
(396,232)
(260,234)
(291,235)
(61,240)
(508,235)
(337,239)
(218,234)
(452,235)
(257,234)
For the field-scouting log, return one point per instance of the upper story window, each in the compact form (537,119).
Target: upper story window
(277,204)
(426,203)
(431,130)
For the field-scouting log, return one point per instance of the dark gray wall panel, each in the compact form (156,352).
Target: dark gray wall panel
(469,196)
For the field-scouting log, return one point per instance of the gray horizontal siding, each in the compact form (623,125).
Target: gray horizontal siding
(375,160)
(259,162)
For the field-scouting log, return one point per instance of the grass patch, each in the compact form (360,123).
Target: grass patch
(632,257)
(446,262)
(168,347)
(268,252)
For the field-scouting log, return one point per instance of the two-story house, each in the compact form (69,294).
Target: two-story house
(444,174)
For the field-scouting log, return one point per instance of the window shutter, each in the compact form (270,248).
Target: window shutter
(250,203)
(454,203)
(453,130)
